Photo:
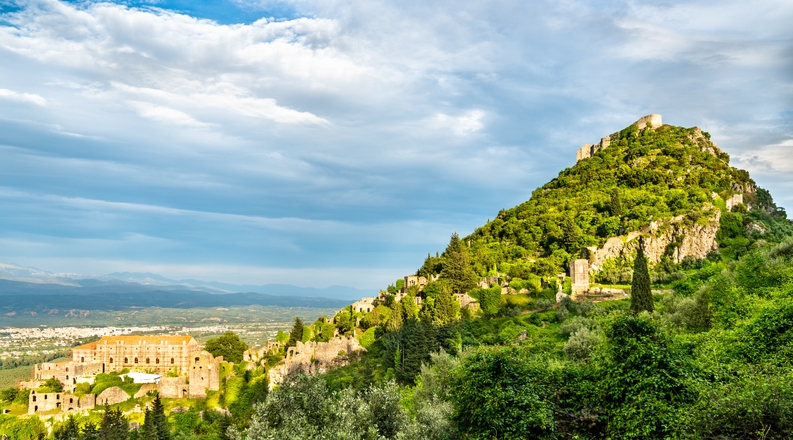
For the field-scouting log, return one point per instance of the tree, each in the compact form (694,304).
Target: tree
(54,384)
(446,309)
(114,426)
(410,310)
(490,300)
(641,293)
(229,345)
(159,419)
(90,432)
(68,430)
(457,267)
(616,205)
(571,234)
(395,320)
(296,334)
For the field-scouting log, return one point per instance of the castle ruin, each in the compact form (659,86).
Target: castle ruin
(588,150)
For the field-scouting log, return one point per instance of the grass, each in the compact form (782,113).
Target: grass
(8,378)
(524,301)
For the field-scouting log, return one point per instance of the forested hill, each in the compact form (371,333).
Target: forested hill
(640,176)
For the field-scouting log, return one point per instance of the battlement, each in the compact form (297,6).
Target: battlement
(587,151)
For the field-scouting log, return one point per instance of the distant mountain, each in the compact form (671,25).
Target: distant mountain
(17,296)
(28,288)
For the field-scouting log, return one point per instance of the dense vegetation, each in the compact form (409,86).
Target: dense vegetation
(642,176)
(712,360)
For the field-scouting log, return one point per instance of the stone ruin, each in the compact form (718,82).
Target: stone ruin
(65,402)
(256,355)
(588,150)
(315,357)
(579,276)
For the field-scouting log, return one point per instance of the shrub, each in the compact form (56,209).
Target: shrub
(502,394)
(545,304)
(581,344)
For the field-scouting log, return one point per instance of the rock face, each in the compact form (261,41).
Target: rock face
(315,357)
(679,237)
(112,396)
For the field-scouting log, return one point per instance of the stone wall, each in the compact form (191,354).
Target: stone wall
(734,200)
(654,119)
(173,387)
(588,150)
(65,402)
(204,375)
(579,275)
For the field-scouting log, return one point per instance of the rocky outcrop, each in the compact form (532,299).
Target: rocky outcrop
(315,357)
(112,396)
(678,238)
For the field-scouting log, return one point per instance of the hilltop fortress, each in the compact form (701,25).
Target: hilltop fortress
(588,150)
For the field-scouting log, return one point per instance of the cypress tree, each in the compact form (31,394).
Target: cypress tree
(160,420)
(446,308)
(149,430)
(457,268)
(90,432)
(395,320)
(641,293)
(571,234)
(616,205)
(297,333)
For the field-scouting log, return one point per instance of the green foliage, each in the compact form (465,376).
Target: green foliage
(446,310)
(368,337)
(457,269)
(502,394)
(229,345)
(114,425)
(646,383)
(641,292)
(282,337)
(155,426)
(490,300)
(52,385)
(615,206)
(297,333)
(304,408)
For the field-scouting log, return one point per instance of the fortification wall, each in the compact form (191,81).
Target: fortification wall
(588,150)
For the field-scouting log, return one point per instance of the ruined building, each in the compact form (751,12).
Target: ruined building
(588,150)
(197,370)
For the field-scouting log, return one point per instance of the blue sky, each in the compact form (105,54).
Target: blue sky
(337,142)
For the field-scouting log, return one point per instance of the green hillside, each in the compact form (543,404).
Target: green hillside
(642,176)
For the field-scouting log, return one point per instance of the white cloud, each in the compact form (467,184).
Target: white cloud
(777,158)
(468,123)
(22,97)
(164,114)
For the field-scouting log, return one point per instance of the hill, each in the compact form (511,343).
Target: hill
(672,184)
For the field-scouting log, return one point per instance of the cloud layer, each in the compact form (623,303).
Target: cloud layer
(347,138)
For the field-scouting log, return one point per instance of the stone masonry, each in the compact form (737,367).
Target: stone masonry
(579,276)
(588,150)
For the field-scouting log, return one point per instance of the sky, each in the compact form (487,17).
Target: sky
(329,142)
